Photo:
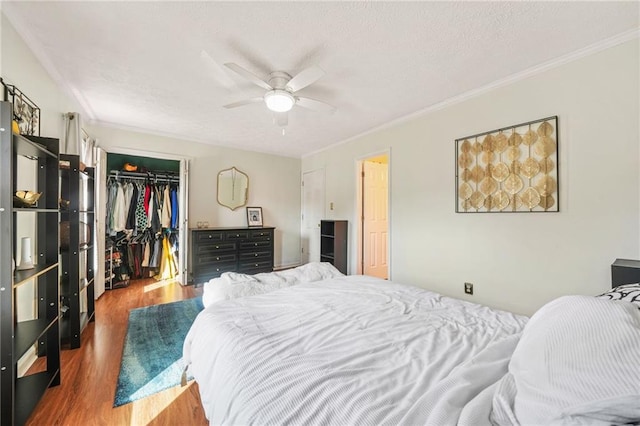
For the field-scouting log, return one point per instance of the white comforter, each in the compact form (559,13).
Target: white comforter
(349,350)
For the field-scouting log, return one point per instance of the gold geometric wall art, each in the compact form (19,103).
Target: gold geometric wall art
(509,170)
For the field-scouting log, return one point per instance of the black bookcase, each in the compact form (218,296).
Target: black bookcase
(77,248)
(333,243)
(19,395)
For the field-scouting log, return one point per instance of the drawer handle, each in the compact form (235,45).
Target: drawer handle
(217,258)
(237,235)
(256,264)
(256,255)
(217,269)
(256,244)
(209,236)
(217,246)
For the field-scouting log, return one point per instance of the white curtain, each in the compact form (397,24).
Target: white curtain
(76,141)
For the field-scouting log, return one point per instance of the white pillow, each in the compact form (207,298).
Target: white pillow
(578,362)
(232,285)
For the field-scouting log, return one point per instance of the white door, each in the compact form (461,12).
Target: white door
(100,204)
(183,220)
(312,213)
(375,222)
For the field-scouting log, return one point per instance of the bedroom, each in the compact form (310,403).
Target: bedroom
(517,262)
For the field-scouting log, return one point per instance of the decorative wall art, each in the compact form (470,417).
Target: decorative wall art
(25,112)
(513,169)
(254,216)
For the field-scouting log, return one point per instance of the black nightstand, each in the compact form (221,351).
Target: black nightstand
(625,271)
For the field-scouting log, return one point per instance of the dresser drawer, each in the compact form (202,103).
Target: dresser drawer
(261,235)
(202,236)
(205,249)
(255,255)
(255,245)
(218,267)
(236,235)
(254,267)
(214,258)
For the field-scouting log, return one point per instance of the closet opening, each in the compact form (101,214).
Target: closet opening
(145,211)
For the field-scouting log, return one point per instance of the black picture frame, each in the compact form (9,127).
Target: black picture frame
(254,217)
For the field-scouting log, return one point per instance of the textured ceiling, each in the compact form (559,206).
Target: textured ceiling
(157,66)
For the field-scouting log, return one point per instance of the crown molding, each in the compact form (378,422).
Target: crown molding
(23,30)
(513,78)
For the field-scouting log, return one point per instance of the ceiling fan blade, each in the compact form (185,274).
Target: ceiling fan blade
(315,105)
(216,71)
(248,75)
(304,78)
(244,102)
(281,119)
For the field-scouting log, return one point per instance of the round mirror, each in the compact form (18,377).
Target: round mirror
(233,187)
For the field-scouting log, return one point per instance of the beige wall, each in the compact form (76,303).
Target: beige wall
(516,261)
(274,183)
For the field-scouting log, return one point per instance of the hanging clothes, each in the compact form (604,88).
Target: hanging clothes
(141,221)
(166,208)
(174,208)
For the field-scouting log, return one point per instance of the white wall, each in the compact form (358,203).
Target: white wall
(516,261)
(274,183)
(22,69)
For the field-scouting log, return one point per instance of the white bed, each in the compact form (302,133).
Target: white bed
(358,350)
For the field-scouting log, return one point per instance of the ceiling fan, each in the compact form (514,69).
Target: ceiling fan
(281,91)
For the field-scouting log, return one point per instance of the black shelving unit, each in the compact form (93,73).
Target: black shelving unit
(333,243)
(77,250)
(20,395)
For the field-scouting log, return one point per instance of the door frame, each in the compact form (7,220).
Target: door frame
(302,205)
(183,256)
(359,219)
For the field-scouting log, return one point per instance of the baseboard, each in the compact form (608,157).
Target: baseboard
(283,267)
(26,361)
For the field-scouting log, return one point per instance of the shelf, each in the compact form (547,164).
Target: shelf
(20,395)
(34,210)
(29,391)
(20,277)
(28,332)
(28,148)
(88,284)
(78,187)
(84,320)
(333,243)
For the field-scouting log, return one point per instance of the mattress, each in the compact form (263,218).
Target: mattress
(348,350)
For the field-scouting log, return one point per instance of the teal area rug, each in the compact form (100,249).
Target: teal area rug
(152,354)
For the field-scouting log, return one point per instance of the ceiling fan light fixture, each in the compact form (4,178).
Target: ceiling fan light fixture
(278,100)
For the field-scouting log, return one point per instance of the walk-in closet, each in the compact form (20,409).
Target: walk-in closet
(145,205)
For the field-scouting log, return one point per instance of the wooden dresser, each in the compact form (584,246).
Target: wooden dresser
(217,250)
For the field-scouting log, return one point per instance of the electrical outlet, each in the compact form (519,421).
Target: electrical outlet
(468,288)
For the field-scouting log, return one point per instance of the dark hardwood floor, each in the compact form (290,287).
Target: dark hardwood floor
(90,373)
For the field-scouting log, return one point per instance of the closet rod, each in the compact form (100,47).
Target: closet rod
(156,177)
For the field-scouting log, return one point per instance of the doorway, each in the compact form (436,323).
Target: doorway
(373,214)
(158,175)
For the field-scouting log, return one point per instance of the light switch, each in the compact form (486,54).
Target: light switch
(331,205)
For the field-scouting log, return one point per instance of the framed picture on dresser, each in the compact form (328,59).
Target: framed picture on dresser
(254,216)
